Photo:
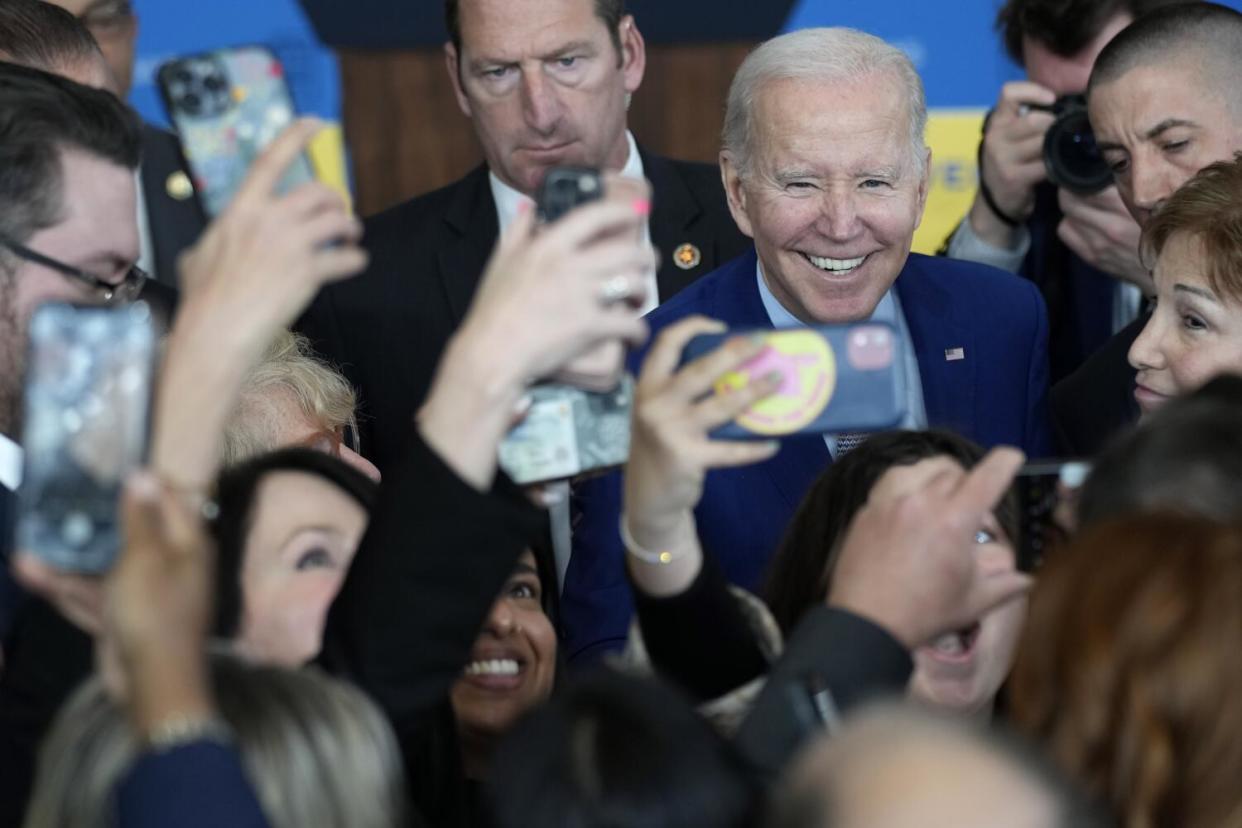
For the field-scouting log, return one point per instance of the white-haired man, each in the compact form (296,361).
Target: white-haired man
(825,168)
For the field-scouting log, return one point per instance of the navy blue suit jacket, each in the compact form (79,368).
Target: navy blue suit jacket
(197,784)
(996,395)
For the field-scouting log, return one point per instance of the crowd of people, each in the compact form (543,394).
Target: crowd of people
(331,606)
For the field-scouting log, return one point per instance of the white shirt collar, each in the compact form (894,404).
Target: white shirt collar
(508,199)
(11,458)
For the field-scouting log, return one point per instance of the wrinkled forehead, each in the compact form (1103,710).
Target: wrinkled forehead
(866,118)
(1186,87)
(509,30)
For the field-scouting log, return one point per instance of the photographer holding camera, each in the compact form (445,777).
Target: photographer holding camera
(1046,207)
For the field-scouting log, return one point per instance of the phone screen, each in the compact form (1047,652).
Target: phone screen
(87,400)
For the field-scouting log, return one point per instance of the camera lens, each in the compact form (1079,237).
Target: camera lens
(1070,152)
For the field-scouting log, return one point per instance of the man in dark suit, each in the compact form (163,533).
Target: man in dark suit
(61,143)
(1164,103)
(826,169)
(171,217)
(546,83)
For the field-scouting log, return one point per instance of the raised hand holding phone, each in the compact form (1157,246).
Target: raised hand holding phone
(549,294)
(671,451)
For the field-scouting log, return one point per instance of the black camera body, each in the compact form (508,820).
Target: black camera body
(1070,153)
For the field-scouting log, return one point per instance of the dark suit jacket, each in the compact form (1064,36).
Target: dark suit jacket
(10,594)
(1079,297)
(175,223)
(1096,402)
(387,328)
(197,784)
(996,395)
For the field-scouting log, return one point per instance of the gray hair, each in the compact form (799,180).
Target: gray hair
(823,54)
(316,749)
(289,371)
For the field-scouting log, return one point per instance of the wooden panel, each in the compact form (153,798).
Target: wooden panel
(407,136)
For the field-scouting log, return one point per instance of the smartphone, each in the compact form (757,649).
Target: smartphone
(1042,486)
(834,379)
(568,432)
(563,189)
(227,106)
(87,404)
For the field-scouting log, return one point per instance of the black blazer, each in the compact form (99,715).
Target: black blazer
(387,328)
(1096,402)
(174,215)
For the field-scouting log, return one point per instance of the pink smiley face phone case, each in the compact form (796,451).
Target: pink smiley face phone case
(835,379)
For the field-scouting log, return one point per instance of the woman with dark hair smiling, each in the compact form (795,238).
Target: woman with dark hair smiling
(288,527)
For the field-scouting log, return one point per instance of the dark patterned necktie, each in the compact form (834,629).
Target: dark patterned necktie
(849,441)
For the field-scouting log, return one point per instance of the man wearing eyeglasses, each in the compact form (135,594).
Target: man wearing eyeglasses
(67,233)
(170,216)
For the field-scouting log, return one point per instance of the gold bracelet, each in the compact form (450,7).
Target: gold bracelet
(664,556)
(180,729)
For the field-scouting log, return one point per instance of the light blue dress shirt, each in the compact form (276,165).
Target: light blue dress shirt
(888,310)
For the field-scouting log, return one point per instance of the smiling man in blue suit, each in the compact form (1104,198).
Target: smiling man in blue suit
(826,169)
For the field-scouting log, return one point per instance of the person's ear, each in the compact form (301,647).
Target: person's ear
(633,54)
(452,62)
(735,192)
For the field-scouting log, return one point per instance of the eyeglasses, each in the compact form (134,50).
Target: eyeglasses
(110,294)
(107,16)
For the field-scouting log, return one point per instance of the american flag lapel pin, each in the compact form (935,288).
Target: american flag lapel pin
(954,354)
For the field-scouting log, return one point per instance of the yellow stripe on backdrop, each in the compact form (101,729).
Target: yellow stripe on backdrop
(953,135)
(327,155)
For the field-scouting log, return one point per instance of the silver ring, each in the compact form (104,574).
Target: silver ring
(616,289)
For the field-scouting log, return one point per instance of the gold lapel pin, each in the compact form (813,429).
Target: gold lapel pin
(178,186)
(687,256)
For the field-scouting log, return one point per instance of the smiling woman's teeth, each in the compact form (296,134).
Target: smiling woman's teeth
(836,265)
(494,667)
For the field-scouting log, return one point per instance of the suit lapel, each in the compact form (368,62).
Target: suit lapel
(7,510)
(945,347)
(674,210)
(800,459)
(472,216)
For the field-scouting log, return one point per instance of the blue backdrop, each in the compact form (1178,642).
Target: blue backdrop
(168,29)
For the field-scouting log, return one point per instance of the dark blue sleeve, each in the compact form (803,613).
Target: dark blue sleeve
(1038,442)
(197,784)
(596,602)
